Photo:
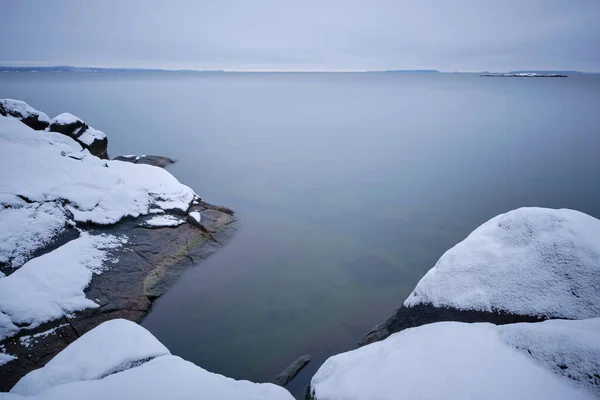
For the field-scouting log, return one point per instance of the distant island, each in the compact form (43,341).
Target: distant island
(526,75)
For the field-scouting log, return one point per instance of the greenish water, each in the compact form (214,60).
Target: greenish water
(347,187)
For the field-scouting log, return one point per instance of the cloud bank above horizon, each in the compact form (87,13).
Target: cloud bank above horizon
(281,35)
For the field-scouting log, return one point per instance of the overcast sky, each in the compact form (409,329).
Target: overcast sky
(465,35)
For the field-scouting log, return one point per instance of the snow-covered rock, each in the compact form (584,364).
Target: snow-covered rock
(529,261)
(44,221)
(121,360)
(452,360)
(50,286)
(111,347)
(567,348)
(92,139)
(25,113)
(46,179)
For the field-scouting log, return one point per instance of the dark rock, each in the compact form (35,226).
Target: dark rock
(75,129)
(292,370)
(211,219)
(157,161)
(148,264)
(410,317)
(29,116)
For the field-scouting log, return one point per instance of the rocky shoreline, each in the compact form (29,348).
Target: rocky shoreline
(149,261)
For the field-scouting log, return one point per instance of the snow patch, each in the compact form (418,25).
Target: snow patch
(196,215)
(65,119)
(25,228)
(164,220)
(529,261)
(29,340)
(50,286)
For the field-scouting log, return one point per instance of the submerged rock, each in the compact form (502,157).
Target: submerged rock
(292,370)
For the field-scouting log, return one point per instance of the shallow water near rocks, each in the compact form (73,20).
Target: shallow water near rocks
(347,187)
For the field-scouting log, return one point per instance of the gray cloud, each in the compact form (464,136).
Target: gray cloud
(306,35)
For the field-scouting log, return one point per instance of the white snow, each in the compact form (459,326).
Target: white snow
(89,368)
(50,286)
(65,119)
(164,220)
(23,108)
(111,347)
(446,360)
(529,261)
(567,348)
(51,168)
(26,227)
(4,358)
(90,135)
(196,215)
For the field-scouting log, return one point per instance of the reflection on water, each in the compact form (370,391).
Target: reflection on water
(348,188)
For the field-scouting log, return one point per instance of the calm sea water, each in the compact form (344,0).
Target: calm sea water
(348,188)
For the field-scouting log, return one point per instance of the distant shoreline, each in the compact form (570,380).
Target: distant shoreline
(71,69)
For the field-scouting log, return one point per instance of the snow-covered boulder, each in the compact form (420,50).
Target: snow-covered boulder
(452,360)
(528,264)
(529,261)
(121,360)
(89,138)
(25,113)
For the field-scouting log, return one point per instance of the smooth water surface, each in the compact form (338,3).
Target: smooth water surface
(348,188)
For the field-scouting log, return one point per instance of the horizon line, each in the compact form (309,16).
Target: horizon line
(417,70)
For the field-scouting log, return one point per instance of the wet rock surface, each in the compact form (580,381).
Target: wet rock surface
(292,370)
(148,264)
(421,314)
